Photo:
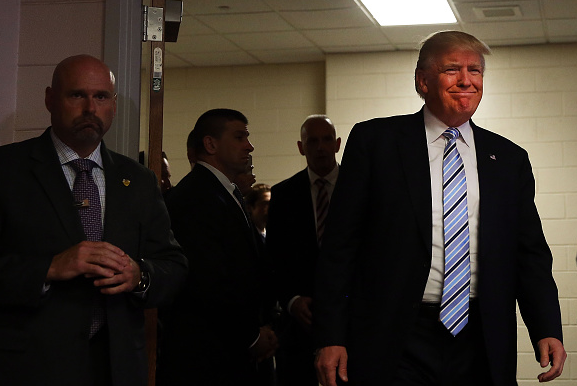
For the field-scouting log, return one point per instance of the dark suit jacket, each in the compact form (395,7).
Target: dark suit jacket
(213,322)
(292,237)
(377,249)
(44,337)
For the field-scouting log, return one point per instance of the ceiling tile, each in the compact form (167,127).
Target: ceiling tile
(206,7)
(308,5)
(413,34)
(562,27)
(290,56)
(246,22)
(270,40)
(191,26)
(347,37)
(504,31)
(529,10)
(202,43)
(219,58)
(338,18)
(560,9)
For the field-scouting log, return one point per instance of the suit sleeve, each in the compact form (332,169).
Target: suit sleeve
(163,256)
(341,240)
(537,291)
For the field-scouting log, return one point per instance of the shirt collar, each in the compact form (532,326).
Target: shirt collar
(66,154)
(435,128)
(220,175)
(331,177)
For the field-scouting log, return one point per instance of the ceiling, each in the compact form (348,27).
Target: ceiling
(244,32)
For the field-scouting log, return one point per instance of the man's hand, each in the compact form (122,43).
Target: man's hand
(328,361)
(551,351)
(108,264)
(88,258)
(266,344)
(301,311)
(124,280)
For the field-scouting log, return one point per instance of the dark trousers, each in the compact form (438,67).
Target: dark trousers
(434,357)
(100,358)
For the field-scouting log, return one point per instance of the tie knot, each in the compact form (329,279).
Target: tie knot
(81,165)
(321,182)
(451,134)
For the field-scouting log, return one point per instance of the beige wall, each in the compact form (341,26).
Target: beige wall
(530,97)
(73,28)
(274,98)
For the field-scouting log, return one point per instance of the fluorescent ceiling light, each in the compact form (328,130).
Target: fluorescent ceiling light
(410,12)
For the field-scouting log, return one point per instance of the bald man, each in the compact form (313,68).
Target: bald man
(77,268)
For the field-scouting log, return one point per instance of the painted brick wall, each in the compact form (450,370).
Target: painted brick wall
(275,98)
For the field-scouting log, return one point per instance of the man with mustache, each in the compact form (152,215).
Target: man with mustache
(85,244)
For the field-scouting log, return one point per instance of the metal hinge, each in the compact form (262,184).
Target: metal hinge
(152,18)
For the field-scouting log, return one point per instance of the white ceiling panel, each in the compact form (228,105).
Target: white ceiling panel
(337,18)
(228,32)
(290,56)
(347,37)
(207,7)
(246,22)
(201,43)
(469,12)
(208,59)
(560,9)
(506,30)
(270,40)
(414,34)
(309,5)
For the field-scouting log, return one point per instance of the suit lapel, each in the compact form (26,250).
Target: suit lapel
(412,142)
(50,176)
(118,194)
(305,206)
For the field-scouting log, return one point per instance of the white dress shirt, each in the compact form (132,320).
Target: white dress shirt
(466,146)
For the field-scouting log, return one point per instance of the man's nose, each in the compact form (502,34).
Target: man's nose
(464,78)
(89,105)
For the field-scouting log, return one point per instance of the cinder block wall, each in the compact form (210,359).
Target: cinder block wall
(275,99)
(530,97)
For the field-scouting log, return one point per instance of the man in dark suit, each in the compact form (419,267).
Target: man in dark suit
(72,294)
(212,333)
(293,240)
(381,305)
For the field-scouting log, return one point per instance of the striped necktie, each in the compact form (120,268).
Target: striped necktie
(322,207)
(455,300)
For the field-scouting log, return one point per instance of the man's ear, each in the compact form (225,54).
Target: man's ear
(338,144)
(300,145)
(421,80)
(48,99)
(210,144)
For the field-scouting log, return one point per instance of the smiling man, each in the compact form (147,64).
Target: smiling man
(432,240)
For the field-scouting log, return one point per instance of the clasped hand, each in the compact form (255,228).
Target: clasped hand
(113,270)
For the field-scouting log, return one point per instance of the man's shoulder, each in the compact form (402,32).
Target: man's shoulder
(299,179)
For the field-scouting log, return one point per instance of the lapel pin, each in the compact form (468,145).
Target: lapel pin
(492,156)
(125,182)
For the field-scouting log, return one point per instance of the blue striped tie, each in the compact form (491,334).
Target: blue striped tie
(455,299)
